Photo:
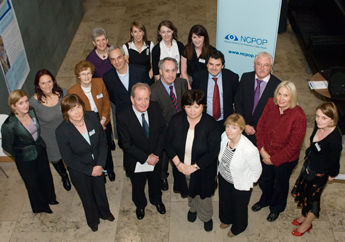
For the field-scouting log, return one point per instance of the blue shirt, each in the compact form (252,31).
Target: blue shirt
(124,78)
(210,90)
(167,87)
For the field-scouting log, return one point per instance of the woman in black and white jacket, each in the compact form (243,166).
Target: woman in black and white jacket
(239,168)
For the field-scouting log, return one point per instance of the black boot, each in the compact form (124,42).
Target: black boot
(60,168)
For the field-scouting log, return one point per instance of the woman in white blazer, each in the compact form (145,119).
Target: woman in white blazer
(239,168)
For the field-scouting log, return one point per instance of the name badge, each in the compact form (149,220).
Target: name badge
(147,51)
(202,60)
(317,147)
(92,132)
(34,120)
(99,96)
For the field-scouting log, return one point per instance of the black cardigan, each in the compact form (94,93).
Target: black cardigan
(325,161)
(156,53)
(205,150)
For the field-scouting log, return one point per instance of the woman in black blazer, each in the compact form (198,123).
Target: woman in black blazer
(193,141)
(21,138)
(83,147)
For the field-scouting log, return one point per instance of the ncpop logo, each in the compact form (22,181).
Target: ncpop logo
(246,39)
(231,37)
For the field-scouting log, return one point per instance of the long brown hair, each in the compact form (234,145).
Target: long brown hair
(206,48)
(168,24)
(139,25)
(57,90)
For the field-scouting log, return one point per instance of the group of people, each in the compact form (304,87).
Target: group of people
(178,103)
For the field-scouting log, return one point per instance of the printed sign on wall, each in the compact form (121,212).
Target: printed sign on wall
(245,28)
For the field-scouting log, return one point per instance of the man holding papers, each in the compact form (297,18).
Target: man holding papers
(141,128)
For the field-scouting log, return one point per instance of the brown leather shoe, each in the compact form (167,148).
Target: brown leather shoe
(224,226)
(94,228)
(111,218)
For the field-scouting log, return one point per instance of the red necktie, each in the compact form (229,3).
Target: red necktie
(216,100)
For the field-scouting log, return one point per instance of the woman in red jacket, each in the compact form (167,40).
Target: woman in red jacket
(280,133)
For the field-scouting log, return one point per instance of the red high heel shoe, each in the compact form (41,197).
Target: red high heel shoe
(296,233)
(295,222)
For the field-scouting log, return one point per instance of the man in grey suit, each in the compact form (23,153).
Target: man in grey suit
(168,92)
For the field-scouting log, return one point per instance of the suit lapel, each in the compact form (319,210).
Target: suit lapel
(178,87)
(165,95)
(203,83)
(136,124)
(131,78)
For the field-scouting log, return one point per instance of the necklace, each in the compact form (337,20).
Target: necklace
(102,56)
(86,89)
(78,125)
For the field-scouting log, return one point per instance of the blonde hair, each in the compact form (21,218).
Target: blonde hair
(292,92)
(14,97)
(236,119)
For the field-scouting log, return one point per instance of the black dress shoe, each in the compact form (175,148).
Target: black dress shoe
(111,218)
(113,146)
(94,228)
(54,203)
(272,217)
(256,207)
(208,226)
(140,213)
(164,184)
(111,176)
(161,208)
(191,216)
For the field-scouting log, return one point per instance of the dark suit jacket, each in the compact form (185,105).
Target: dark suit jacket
(102,102)
(244,99)
(205,150)
(160,95)
(76,151)
(132,138)
(18,141)
(230,84)
(118,94)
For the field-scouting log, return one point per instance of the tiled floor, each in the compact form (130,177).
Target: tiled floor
(67,223)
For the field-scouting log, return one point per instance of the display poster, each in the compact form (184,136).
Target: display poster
(245,28)
(14,64)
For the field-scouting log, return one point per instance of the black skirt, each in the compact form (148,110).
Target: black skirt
(308,188)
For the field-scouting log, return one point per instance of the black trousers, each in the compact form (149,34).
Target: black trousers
(274,183)
(165,165)
(38,181)
(93,196)
(138,187)
(109,165)
(233,206)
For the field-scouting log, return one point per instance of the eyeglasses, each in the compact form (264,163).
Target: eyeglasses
(266,66)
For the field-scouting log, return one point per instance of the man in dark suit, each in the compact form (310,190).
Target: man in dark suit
(120,80)
(253,93)
(219,85)
(244,99)
(141,130)
(168,92)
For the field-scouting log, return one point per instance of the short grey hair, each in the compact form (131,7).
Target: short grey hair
(160,63)
(264,54)
(140,85)
(98,31)
(114,47)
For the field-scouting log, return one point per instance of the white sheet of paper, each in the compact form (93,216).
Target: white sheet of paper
(143,167)
(340,177)
(318,84)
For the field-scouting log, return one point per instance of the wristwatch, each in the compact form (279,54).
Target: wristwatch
(196,166)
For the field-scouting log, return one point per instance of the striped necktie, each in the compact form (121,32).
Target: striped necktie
(174,99)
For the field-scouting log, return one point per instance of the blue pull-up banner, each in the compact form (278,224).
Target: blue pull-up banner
(245,28)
